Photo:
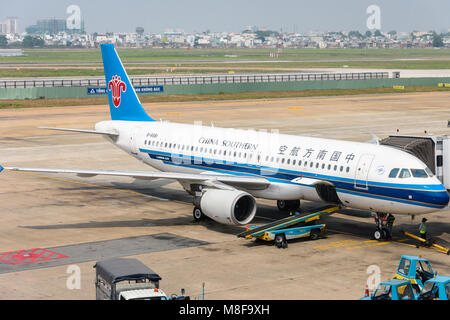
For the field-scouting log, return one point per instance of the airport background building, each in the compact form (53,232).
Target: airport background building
(52,26)
(9,26)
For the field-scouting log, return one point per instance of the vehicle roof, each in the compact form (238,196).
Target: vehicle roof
(142,293)
(120,269)
(395,282)
(413,258)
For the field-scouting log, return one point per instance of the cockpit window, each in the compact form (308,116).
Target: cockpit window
(430,173)
(405,173)
(394,173)
(419,173)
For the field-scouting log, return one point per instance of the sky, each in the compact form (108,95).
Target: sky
(155,16)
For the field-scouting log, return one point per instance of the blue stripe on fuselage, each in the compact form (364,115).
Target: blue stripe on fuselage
(420,194)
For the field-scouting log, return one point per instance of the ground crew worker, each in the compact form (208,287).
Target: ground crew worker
(423,229)
(390,224)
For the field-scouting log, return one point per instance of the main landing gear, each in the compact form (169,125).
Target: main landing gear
(198,214)
(288,205)
(383,231)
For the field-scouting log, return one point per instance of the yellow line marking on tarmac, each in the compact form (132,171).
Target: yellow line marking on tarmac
(294,109)
(369,245)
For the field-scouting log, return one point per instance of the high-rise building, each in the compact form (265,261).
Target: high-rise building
(53,26)
(48,26)
(9,26)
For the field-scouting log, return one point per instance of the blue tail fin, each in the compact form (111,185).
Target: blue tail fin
(123,101)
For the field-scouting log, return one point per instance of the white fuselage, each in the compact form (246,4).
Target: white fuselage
(359,172)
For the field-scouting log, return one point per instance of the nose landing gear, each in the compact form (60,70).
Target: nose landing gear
(384,230)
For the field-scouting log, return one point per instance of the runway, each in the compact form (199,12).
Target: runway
(56,212)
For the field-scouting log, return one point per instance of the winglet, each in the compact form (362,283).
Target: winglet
(1,168)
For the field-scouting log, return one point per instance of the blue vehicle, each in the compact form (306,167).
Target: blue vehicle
(394,289)
(415,269)
(436,289)
(293,227)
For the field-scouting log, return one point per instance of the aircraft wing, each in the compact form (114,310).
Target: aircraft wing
(247,182)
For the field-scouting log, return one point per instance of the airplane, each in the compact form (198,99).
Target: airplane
(225,169)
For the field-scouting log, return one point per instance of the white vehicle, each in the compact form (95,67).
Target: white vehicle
(143,294)
(226,169)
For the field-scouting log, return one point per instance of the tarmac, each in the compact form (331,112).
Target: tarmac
(49,223)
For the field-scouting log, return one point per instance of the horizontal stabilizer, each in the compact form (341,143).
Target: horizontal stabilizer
(82,131)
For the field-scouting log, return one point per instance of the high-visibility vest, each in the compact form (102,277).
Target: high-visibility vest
(423,228)
(391,220)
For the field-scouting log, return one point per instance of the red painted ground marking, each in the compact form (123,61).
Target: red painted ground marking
(30,256)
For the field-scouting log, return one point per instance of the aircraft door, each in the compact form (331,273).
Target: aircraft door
(133,141)
(362,171)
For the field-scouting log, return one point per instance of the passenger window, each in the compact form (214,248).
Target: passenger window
(341,168)
(288,161)
(348,169)
(299,162)
(282,160)
(311,164)
(293,162)
(393,173)
(404,173)
(317,165)
(305,163)
(329,167)
(335,168)
(323,165)
(419,173)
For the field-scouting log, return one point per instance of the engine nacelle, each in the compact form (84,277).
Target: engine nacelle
(233,207)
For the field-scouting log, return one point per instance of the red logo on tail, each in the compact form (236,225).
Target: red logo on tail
(117,86)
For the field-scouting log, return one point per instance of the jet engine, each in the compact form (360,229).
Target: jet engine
(232,207)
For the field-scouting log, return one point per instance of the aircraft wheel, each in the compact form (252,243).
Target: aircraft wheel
(314,234)
(280,240)
(198,214)
(378,235)
(282,205)
(285,205)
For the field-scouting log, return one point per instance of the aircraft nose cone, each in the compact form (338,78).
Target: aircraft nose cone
(439,198)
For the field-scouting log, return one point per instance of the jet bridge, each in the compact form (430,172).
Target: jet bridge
(433,150)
